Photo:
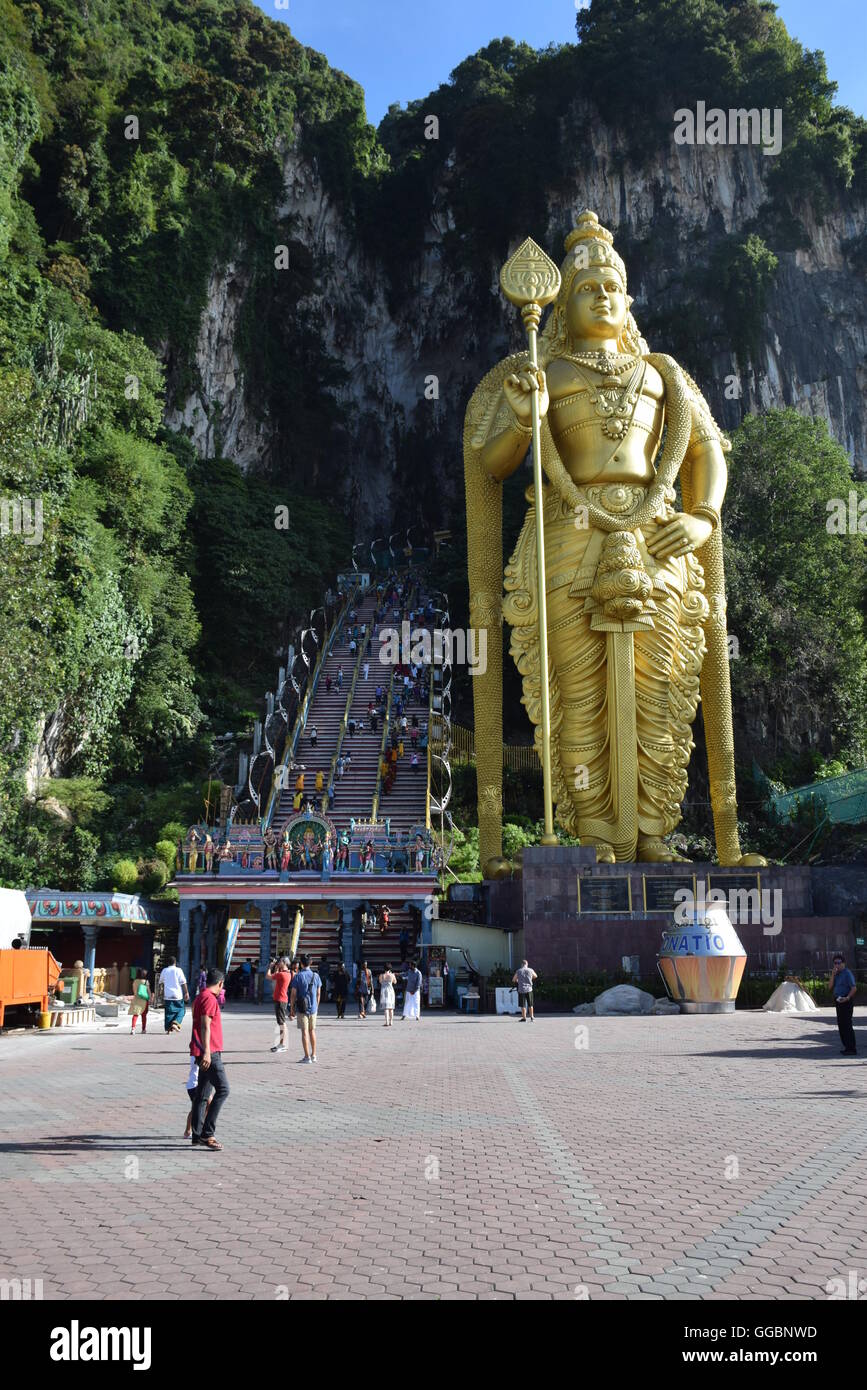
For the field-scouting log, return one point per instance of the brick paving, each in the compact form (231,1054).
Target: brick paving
(458,1158)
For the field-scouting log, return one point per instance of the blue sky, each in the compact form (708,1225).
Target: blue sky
(402,49)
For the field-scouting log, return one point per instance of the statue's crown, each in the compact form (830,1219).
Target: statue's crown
(596,241)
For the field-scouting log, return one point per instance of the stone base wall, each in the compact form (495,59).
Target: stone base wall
(553,945)
(808,914)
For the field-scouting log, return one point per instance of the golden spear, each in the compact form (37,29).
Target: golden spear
(530,280)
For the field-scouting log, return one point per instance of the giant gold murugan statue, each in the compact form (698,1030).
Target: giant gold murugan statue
(634,588)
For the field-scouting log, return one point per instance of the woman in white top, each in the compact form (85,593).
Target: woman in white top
(387,982)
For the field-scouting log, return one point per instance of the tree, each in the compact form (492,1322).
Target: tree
(796,596)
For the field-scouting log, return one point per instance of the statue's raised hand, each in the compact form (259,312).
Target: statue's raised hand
(518,390)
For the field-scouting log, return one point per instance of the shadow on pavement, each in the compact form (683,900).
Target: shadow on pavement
(72,1143)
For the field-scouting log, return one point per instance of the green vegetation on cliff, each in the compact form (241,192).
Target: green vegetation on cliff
(142,147)
(148,612)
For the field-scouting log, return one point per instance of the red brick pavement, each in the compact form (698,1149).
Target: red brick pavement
(456,1158)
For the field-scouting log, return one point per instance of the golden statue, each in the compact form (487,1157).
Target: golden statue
(634,588)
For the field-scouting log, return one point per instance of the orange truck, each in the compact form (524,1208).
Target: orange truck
(26,977)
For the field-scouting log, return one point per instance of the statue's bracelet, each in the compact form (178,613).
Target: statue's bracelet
(522,429)
(709,513)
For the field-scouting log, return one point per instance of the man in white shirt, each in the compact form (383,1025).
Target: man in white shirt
(175,994)
(523,978)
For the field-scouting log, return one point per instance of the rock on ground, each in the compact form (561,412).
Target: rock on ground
(623,999)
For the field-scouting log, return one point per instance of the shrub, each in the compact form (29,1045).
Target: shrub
(165,850)
(124,876)
(154,875)
(173,830)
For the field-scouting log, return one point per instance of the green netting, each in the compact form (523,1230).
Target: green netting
(844,799)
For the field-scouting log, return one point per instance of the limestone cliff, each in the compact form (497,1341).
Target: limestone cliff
(452,324)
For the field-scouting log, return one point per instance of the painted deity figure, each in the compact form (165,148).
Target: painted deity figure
(633,573)
(327,855)
(270,842)
(193,840)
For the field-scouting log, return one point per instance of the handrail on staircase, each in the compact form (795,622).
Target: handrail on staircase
(386,725)
(279,781)
(344,722)
(429,742)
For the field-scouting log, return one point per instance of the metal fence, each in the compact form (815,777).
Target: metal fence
(519,756)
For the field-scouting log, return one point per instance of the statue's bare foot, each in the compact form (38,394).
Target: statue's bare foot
(604,852)
(658,852)
(752,861)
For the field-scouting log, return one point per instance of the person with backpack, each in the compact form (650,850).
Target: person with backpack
(304,1005)
(363,988)
(412,997)
(141,1002)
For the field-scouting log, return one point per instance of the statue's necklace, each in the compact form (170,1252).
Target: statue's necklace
(615,403)
(611,363)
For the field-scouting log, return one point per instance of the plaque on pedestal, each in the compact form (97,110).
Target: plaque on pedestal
(739,882)
(659,891)
(597,896)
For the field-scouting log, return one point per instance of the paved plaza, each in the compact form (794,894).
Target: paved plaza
(457,1158)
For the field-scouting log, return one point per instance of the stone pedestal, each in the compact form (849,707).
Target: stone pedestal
(774,914)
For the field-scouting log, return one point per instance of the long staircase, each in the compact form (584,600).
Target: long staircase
(358,792)
(326,716)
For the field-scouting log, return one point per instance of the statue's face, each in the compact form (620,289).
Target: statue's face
(597,306)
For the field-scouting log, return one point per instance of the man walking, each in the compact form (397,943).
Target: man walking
(523,978)
(206,1046)
(412,997)
(304,1004)
(175,995)
(844,988)
(280,973)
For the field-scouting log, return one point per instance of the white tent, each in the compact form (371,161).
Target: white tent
(789,998)
(15,917)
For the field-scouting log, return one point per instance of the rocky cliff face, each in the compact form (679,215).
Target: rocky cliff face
(812,351)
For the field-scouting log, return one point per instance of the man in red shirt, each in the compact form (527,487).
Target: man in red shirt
(206,1046)
(280,973)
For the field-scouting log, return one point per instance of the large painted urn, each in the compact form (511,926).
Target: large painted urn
(702,960)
